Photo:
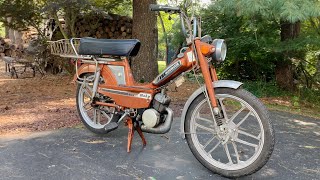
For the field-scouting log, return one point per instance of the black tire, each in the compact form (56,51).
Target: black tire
(84,116)
(265,150)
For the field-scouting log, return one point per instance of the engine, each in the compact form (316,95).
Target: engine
(152,117)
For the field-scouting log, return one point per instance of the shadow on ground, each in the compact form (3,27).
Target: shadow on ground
(75,153)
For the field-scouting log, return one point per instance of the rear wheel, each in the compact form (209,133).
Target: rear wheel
(239,147)
(95,118)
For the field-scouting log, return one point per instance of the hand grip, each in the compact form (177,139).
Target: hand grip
(165,8)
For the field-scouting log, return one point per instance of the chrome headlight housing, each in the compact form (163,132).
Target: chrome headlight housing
(220,52)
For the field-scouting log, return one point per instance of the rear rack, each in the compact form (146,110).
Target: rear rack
(67,48)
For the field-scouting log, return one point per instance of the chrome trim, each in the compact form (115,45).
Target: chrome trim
(217,55)
(118,72)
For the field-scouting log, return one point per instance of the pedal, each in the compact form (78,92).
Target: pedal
(111,126)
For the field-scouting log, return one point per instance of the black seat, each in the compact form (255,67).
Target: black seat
(113,47)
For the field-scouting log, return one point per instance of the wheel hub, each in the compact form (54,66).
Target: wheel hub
(227,132)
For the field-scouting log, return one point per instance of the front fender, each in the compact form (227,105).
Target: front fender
(217,84)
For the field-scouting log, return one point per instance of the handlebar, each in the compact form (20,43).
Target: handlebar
(165,8)
(184,19)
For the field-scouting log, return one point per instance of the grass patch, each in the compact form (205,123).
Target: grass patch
(304,102)
(303,109)
(264,89)
(2,30)
(161,66)
(310,96)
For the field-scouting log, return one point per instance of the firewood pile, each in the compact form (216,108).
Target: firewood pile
(97,26)
(28,35)
(9,49)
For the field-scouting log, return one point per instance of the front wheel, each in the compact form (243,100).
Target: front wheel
(242,144)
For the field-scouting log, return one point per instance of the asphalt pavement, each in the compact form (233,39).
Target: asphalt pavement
(76,153)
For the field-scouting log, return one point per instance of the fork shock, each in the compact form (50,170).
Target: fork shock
(219,116)
(219,121)
(208,80)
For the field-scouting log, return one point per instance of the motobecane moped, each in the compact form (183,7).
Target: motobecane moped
(227,128)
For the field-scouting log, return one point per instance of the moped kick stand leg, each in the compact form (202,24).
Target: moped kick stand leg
(129,123)
(144,142)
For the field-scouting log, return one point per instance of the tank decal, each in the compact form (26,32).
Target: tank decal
(126,93)
(167,72)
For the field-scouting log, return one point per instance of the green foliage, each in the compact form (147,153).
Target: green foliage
(289,10)
(161,66)
(2,30)
(19,14)
(249,44)
(123,7)
(24,13)
(252,31)
(307,95)
(264,89)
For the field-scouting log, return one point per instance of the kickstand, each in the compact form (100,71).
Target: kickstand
(131,128)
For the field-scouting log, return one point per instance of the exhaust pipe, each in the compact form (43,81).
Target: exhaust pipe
(162,128)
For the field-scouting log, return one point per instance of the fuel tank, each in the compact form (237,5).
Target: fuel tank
(175,68)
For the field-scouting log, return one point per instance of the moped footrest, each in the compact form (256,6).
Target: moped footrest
(111,126)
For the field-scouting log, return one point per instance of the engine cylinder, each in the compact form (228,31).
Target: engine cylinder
(150,118)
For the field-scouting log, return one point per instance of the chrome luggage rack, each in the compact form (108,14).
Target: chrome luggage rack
(69,48)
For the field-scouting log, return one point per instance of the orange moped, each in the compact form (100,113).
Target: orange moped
(227,128)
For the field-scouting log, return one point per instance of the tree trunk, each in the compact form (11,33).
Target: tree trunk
(11,32)
(18,37)
(144,65)
(284,75)
(285,69)
(6,32)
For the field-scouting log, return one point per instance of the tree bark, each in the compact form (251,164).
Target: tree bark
(6,32)
(285,69)
(144,65)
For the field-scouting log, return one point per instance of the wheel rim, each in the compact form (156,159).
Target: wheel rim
(232,146)
(95,117)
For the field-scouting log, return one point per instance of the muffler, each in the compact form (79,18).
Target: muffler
(162,128)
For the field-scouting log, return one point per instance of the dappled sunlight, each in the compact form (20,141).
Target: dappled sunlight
(269,172)
(66,102)
(285,101)
(304,123)
(309,147)
(36,104)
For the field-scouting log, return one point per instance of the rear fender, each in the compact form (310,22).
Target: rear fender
(84,69)
(216,84)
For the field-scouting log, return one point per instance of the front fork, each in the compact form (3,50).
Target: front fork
(209,75)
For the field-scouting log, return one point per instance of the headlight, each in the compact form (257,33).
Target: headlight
(220,51)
